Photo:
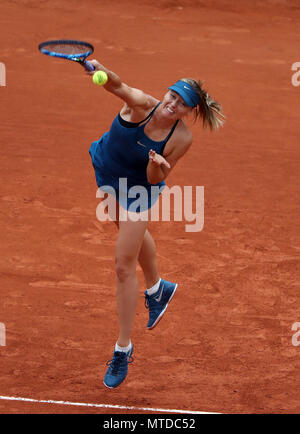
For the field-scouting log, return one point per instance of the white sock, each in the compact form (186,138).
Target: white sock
(154,288)
(123,349)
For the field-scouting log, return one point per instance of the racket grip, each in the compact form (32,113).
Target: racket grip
(88,66)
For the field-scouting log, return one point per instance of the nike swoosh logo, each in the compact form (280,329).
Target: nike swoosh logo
(186,87)
(160,295)
(139,143)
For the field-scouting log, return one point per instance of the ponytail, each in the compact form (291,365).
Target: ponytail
(209,110)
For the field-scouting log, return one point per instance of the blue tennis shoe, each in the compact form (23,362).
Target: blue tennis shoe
(157,303)
(117,368)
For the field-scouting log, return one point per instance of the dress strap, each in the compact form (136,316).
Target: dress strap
(149,115)
(169,136)
(136,124)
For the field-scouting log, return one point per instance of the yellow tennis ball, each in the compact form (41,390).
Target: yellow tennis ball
(100,78)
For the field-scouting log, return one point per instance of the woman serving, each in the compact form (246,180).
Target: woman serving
(143,145)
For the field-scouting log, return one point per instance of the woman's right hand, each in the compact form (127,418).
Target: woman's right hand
(97,66)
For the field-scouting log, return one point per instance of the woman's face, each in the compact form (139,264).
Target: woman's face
(174,107)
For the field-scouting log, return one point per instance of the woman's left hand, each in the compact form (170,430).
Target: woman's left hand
(158,159)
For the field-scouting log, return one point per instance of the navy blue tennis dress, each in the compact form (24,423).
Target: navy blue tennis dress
(122,153)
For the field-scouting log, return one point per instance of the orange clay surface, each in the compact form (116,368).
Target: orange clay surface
(225,343)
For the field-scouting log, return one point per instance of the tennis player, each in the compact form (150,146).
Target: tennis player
(143,145)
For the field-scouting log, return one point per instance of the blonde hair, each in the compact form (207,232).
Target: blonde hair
(209,110)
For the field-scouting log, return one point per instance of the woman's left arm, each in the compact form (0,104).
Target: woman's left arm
(159,167)
(155,172)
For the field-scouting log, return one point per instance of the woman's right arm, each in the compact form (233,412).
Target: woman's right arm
(134,98)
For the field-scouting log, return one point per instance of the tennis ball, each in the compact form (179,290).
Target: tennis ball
(100,78)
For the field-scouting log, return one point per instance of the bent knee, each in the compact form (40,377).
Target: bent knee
(125,267)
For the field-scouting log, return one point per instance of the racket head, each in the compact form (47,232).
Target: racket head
(70,49)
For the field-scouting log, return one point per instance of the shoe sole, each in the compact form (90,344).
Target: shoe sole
(109,387)
(163,311)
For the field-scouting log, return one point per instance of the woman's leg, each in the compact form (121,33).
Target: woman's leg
(147,260)
(147,256)
(129,242)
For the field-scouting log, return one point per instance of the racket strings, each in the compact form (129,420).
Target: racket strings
(67,49)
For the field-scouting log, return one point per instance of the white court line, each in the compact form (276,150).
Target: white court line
(85,404)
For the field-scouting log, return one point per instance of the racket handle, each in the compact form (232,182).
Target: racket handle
(88,66)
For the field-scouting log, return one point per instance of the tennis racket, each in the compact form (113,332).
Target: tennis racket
(77,51)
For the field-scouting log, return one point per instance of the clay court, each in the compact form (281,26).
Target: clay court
(225,343)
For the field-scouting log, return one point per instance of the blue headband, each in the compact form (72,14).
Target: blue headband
(187,92)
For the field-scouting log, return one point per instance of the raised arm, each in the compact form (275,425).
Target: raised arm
(134,98)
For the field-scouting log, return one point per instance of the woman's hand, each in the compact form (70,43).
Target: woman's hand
(158,159)
(97,66)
